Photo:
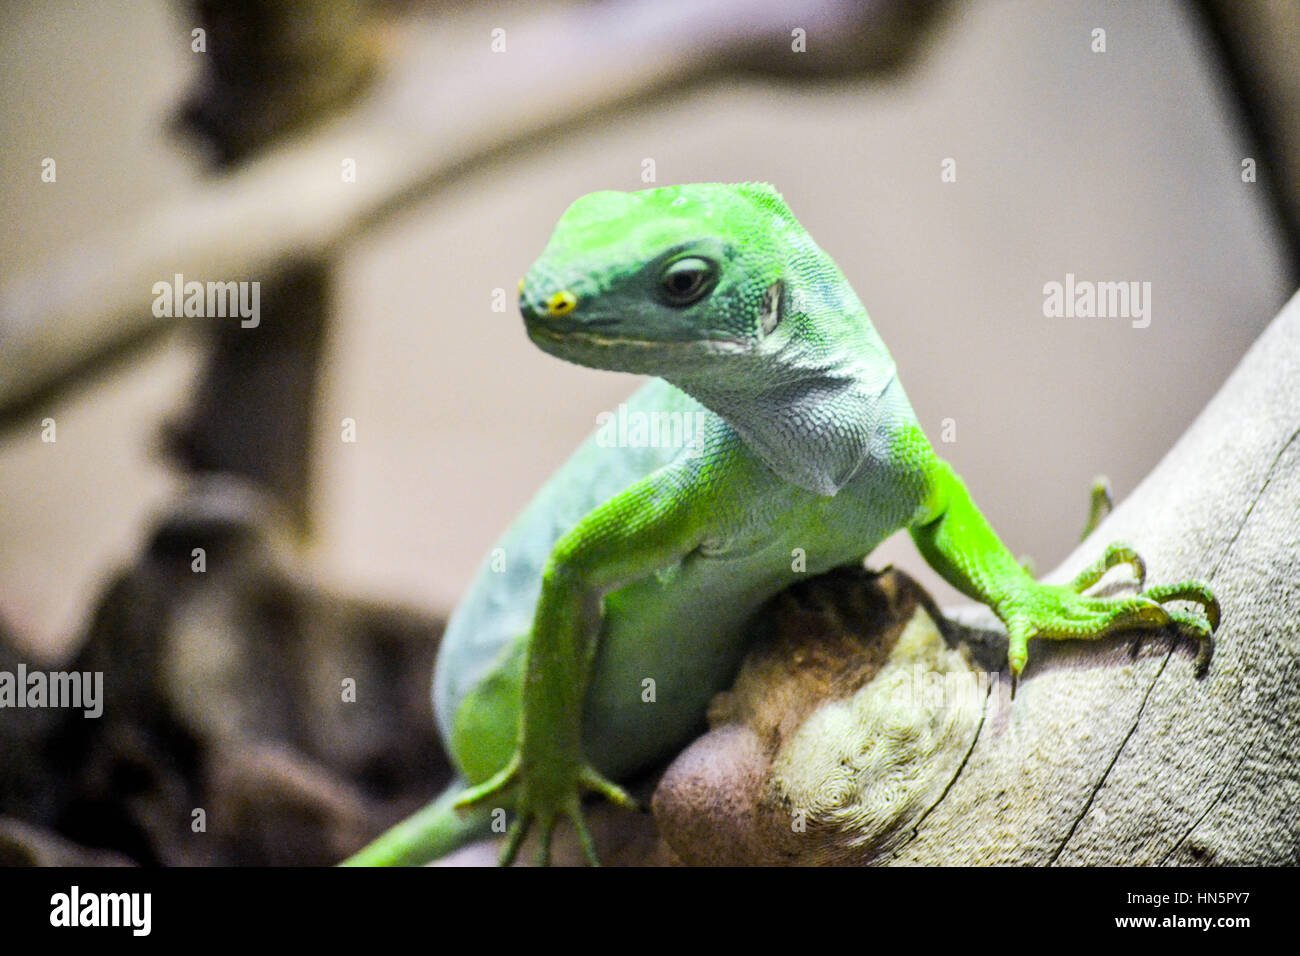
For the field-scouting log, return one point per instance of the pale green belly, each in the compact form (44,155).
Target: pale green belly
(686,632)
(667,646)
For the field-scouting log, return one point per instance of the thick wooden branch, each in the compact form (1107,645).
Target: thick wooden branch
(1103,756)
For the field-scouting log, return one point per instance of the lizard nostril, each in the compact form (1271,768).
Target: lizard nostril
(561,303)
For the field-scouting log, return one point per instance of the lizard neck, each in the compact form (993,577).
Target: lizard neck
(814,429)
(819,396)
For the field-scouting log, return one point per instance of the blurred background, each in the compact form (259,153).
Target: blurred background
(1152,142)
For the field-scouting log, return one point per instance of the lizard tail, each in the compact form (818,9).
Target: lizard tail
(426,835)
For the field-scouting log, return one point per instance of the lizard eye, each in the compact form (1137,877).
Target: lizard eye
(687,280)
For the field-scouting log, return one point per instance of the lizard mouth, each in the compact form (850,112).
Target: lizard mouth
(608,341)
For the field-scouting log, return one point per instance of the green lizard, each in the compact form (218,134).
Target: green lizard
(648,561)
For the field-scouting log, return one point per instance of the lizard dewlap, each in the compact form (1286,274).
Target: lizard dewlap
(647,561)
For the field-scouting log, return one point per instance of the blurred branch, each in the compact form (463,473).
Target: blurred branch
(252,410)
(274,65)
(442,109)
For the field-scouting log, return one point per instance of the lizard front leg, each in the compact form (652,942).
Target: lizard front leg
(648,527)
(958,542)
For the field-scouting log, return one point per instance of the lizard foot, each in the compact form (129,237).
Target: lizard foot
(542,799)
(1054,612)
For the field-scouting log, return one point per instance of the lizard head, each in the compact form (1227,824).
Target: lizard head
(718,289)
(672,281)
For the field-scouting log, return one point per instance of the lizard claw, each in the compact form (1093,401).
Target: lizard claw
(541,800)
(1193,591)
(1053,612)
(502,782)
(1117,552)
(612,792)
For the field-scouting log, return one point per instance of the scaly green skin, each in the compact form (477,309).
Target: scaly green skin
(642,562)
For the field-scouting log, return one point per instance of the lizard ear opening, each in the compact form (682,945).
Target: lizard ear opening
(770,316)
